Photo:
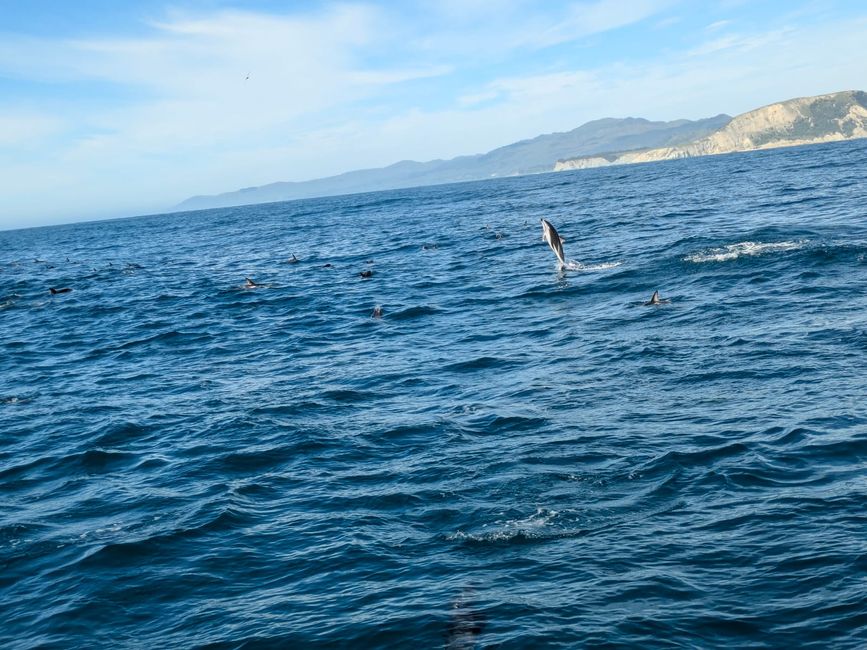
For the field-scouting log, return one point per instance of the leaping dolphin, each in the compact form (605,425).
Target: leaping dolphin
(555,241)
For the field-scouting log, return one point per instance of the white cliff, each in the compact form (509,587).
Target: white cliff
(805,120)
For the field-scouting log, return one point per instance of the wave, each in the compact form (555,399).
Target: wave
(348,395)
(746,248)
(14,399)
(9,301)
(572,265)
(501,424)
(284,469)
(414,312)
(534,527)
(480,363)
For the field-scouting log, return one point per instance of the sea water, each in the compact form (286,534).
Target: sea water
(514,455)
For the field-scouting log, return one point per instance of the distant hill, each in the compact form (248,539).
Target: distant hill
(805,120)
(609,141)
(539,154)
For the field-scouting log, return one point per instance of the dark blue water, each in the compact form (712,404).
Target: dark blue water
(510,457)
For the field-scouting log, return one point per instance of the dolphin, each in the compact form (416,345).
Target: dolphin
(249,284)
(466,623)
(366,273)
(555,241)
(656,300)
(63,290)
(377,312)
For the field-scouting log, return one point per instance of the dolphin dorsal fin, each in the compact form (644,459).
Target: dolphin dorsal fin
(655,297)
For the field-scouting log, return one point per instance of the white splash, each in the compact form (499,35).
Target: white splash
(734,251)
(532,526)
(572,265)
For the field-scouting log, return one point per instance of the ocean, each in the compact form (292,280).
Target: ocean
(512,456)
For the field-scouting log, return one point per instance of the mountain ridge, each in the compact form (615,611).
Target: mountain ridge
(532,155)
(602,142)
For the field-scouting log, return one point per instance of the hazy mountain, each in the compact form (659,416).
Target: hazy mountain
(805,120)
(525,157)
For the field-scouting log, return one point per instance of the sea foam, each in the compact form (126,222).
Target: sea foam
(745,248)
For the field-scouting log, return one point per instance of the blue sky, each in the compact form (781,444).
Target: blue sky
(112,109)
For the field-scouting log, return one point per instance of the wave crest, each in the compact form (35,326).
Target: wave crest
(572,265)
(748,248)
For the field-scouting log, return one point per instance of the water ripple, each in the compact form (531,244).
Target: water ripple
(513,455)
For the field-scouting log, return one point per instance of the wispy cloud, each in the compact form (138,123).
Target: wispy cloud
(20,128)
(490,30)
(666,22)
(742,42)
(194,87)
(474,99)
(585,18)
(718,25)
(385,77)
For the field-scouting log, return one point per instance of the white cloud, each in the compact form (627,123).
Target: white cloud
(192,89)
(26,128)
(474,99)
(484,30)
(742,42)
(585,18)
(715,45)
(732,74)
(191,75)
(384,77)
(667,22)
(718,25)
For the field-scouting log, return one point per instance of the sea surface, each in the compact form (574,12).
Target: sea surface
(512,456)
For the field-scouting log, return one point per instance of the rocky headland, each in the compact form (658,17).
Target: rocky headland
(805,120)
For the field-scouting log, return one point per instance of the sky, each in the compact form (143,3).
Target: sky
(111,108)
